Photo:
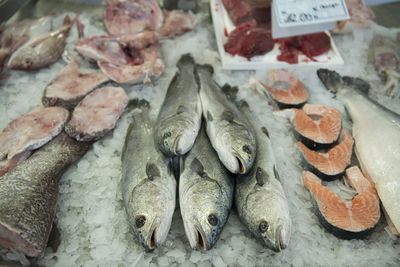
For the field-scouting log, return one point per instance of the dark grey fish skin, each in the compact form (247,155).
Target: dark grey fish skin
(148,184)
(28,195)
(179,120)
(230,134)
(205,194)
(259,197)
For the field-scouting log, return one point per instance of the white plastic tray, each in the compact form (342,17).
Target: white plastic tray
(222,24)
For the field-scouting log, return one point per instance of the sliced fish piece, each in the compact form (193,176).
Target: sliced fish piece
(179,119)
(318,127)
(230,133)
(205,194)
(42,50)
(148,184)
(345,219)
(97,114)
(7,165)
(332,164)
(361,16)
(176,23)
(292,92)
(132,16)
(260,200)
(32,130)
(376,133)
(28,195)
(70,86)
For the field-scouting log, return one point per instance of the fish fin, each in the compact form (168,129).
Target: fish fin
(230,91)
(180,109)
(276,173)
(209,116)
(138,103)
(128,132)
(227,115)
(185,60)
(265,131)
(206,67)
(331,79)
(197,167)
(262,176)
(152,171)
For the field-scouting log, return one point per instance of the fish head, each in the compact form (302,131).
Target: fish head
(204,213)
(267,217)
(331,79)
(240,146)
(23,59)
(150,211)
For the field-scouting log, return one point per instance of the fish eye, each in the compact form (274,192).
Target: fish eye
(246,149)
(263,227)
(166,135)
(27,61)
(212,219)
(140,221)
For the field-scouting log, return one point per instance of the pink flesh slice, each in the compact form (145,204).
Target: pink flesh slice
(132,16)
(70,83)
(99,111)
(176,23)
(152,66)
(32,130)
(9,164)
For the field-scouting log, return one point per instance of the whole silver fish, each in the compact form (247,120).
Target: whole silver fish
(259,197)
(179,120)
(205,194)
(41,51)
(148,185)
(28,195)
(229,132)
(376,132)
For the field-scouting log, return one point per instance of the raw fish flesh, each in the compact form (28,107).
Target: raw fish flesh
(361,16)
(97,114)
(176,23)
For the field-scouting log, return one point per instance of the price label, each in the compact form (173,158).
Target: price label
(298,12)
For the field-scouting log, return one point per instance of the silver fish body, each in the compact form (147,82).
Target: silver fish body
(205,194)
(179,119)
(28,195)
(376,133)
(230,134)
(259,197)
(148,185)
(41,51)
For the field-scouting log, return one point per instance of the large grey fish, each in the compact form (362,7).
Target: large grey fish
(179,120)
(229,132)
(43,50)
(148,185)
(205,194)
(28,195)
(376,132)
(259,197)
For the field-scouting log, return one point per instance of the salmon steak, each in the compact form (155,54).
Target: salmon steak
(329,165)
(291,94)
(318,127)
(345,219)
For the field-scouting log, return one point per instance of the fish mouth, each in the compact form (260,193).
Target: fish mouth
(279,242)
(177,150)
(151,243)
(201,241)
(241,166)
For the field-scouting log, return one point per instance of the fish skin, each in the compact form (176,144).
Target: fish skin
(230,134)
(259,196)
(41,51)
(179,119)
(148,185)
(205,188)
(376,133)
(28,195)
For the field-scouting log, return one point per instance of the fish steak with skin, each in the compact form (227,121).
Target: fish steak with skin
(28,195)
(229,131)
(43,50)
(376,133)
(70,86)
(147,182)
(179,119)
(260,200)
(97,114)
(205,194)
(345,219)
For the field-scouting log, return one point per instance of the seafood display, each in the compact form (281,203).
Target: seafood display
(179,119)
(230,134)
(361,16)
(376,135)
(346,219)
(148,185)
(205,194)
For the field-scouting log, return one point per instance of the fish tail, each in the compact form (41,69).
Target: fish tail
(230,91)
(186,59)
(137,103)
